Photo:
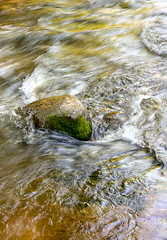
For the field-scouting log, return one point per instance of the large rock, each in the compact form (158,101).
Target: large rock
(62,114)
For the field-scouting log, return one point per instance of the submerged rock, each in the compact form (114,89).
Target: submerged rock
(115,119)
(62,114)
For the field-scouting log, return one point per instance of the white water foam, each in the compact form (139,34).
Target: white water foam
(49,78)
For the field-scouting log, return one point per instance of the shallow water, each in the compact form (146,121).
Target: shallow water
(112,56)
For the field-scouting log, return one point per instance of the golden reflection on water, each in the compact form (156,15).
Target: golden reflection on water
(93,222)
(57,222)
(34,212)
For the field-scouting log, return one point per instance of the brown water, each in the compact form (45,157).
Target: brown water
(112,56)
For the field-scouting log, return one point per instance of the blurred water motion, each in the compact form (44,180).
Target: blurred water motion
(103,52)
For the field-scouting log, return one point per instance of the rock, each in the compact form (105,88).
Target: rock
(115,119)
(64,114)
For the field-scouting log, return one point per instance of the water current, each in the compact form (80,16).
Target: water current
(112,55)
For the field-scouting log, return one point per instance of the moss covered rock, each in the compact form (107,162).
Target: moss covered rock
(62,114)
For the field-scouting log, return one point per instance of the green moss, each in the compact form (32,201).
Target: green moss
(78,128)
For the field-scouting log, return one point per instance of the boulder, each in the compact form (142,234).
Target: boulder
(64,114)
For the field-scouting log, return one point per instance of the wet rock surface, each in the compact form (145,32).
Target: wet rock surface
(64,114)
(115,119)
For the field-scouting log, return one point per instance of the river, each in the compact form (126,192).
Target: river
(112,55)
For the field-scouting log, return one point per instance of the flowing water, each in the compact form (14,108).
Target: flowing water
(112,56)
